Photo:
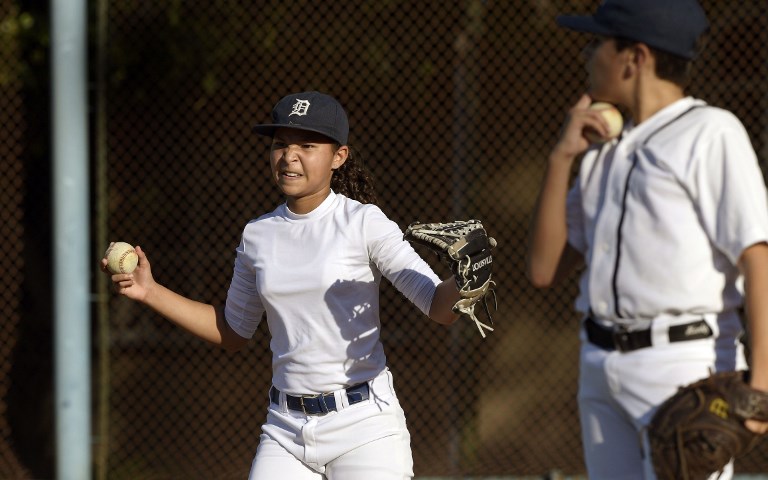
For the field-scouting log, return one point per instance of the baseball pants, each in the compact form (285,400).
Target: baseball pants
(367,440)
(619,393)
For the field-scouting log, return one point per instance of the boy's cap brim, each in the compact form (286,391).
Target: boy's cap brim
(673,26)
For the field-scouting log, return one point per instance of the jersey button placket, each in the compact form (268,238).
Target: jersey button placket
(603,262)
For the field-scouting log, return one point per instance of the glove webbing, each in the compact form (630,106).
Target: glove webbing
(434,237)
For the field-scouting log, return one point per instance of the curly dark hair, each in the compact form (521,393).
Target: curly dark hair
(353,180)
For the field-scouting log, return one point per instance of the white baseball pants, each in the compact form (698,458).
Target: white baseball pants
(619,393)
(367,440)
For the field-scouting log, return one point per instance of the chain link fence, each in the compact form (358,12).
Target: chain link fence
(454,106)
(12,127)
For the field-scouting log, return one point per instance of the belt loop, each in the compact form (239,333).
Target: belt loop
(660,331)
(713,320)
(283,402)
(342,401)
(387,379)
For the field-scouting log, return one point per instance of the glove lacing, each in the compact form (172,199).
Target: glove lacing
(466,305)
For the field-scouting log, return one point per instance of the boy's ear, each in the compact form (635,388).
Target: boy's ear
(639,57)
(643,57)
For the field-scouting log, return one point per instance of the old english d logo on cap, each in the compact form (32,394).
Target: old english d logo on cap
(310,111)
(300,108)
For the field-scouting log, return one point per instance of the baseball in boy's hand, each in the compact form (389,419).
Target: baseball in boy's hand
(611,115)
(121,258)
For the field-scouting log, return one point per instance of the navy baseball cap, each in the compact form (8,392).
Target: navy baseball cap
(673,26)
(311,111)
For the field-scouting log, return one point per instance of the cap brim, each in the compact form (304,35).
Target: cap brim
(582,23)
(268,130)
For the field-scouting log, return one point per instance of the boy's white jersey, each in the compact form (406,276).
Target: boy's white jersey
(663,214)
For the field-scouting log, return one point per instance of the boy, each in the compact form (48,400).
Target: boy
(670,222)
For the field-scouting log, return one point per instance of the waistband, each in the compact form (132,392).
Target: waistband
(624,340)
(320,404)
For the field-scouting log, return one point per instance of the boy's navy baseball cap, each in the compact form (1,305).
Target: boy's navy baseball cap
(312,111)
(672,26)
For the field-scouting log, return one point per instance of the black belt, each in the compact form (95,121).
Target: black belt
(320,404)
(626,341)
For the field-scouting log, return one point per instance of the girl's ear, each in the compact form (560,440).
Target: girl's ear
(339,157)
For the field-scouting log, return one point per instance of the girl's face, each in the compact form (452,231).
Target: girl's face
(607,68)
(302,164)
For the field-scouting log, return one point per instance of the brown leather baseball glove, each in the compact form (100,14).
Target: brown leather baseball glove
(697,431)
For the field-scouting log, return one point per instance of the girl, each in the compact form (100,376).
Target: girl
(314,265)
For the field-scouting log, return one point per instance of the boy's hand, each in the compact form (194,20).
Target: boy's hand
(581,120)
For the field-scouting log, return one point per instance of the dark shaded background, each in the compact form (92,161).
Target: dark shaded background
(454,106)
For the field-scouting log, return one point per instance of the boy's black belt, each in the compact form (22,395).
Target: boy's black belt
(626,341)
(320,404)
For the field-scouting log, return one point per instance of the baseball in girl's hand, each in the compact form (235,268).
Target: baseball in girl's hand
(614,119)
(121,258)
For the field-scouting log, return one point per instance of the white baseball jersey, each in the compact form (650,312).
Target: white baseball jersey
(663,214)
(317,277)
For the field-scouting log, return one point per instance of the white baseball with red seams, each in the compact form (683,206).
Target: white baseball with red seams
(615,120)
(121,258)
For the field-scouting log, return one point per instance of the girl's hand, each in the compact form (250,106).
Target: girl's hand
(134,285)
